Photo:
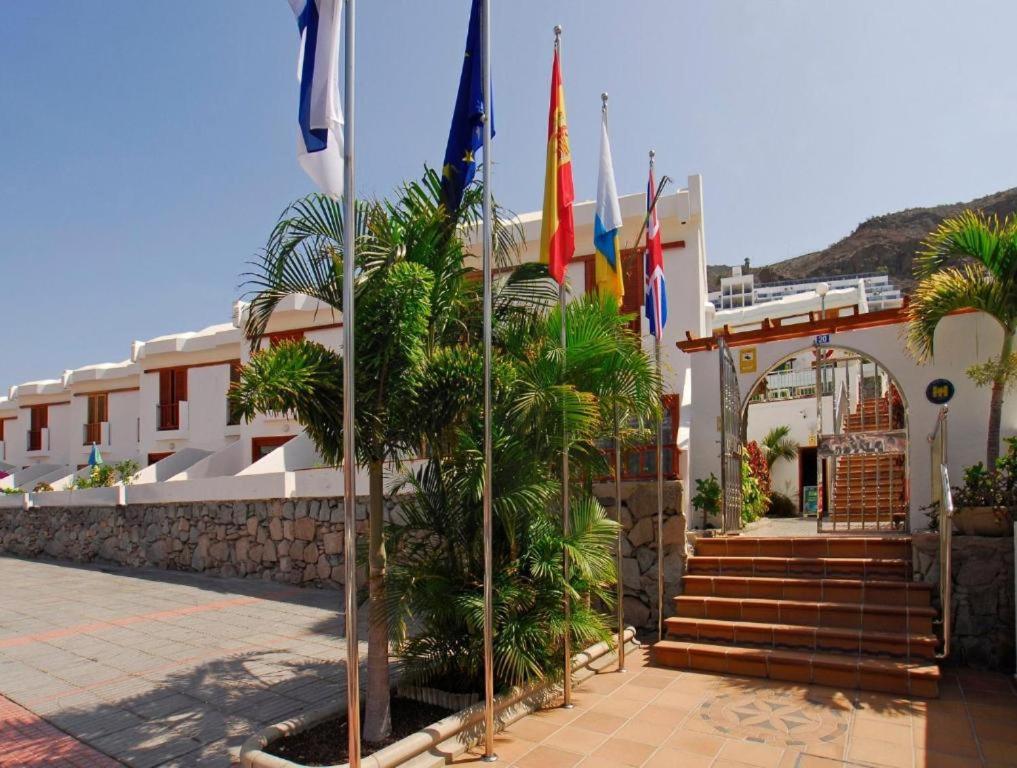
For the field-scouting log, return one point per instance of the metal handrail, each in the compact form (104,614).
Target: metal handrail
(943,498)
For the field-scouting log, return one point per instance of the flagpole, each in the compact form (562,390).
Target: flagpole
(349,445)
(566,525)
(489,756)
(660,471)
(619,583)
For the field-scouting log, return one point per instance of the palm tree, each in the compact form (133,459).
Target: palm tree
(777,445)
(970,262)
(412,295)
(435,600)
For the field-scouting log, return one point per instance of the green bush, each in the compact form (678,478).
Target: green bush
(707,497)
(781,506)
(106,476)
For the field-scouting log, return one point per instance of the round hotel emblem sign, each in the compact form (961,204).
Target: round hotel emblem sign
(940,391)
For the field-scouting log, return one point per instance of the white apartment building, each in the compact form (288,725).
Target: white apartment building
(739,289)
(166,405)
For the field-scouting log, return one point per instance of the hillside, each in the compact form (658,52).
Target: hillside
(884,242)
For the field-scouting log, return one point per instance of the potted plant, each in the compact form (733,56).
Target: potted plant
(707,498)
(984,505)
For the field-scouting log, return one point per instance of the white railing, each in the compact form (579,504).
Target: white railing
(841,409)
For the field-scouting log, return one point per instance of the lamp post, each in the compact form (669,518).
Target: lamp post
(822,289)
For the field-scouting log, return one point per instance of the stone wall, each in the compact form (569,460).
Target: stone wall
(295,541)
(300,541)
(983,596)
(639,546)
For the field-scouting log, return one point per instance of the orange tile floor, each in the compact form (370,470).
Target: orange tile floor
(662,718)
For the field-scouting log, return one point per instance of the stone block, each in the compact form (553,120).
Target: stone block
(269,554)
(630,573)
(275,529)
(636,613)
(304,528)
(333,543)
(642,532)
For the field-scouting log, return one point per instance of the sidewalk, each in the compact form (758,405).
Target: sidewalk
(155,668)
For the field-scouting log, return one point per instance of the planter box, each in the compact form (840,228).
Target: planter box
(440,742)
(983,521)
(437,697)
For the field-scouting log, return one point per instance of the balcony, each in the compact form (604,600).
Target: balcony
(95,432)
(170,417)
(38,440)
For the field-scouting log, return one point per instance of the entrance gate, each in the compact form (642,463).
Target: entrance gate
(730,442)
(862,455)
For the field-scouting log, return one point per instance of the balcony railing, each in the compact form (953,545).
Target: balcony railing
(167,416)
(91,433)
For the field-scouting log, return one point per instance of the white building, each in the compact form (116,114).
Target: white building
(739,289)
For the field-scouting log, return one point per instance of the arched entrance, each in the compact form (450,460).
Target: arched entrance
(843,452)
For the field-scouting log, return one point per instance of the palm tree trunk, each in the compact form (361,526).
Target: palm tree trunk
(378,716)
(996,403)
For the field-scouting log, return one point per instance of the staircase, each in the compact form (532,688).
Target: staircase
(831,610)
(869,491)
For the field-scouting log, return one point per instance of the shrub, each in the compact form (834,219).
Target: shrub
(707,498)
(754,499)
(106,476)
(758,465)
(781,506)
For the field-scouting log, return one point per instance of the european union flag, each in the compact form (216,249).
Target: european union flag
(466,136)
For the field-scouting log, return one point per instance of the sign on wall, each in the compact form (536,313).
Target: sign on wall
(940,391)
(747,360)
(823,338)
(810,499)
(855,443)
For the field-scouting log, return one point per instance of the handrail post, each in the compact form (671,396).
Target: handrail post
(938,449)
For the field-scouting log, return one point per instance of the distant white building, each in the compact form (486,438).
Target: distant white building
(740,289)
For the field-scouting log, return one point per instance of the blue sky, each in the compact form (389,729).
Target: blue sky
(146,148)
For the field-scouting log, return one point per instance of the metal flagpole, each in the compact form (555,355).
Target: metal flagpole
(620,584)
(489,756)
(660,472)
(349,446)
(660,498)
(566,525)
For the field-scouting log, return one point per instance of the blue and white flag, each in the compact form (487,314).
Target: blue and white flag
(607,224)
(320,115)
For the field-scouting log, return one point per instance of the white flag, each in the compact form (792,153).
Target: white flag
(320,116)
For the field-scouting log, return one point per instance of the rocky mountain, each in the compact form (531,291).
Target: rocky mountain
(886,242)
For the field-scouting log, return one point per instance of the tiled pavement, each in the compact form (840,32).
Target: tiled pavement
(664,718)
(154,668)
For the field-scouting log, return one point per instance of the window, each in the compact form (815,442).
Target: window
(157,457)
(640,462)
(277,338)
(232,411)
(39,421)
(172,391)
(262,446)
(97,413)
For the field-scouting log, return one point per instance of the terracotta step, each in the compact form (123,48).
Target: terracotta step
(875,618)
(807,546)
(798,637)
(901,593)
(819,567)
(841,671)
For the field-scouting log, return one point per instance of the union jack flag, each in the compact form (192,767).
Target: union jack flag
(656,288)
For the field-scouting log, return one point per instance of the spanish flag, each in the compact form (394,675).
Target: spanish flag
(557,230)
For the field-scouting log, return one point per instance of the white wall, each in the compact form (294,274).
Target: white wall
(961,341)
(800,415)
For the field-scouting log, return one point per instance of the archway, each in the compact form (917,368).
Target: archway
(841,456)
